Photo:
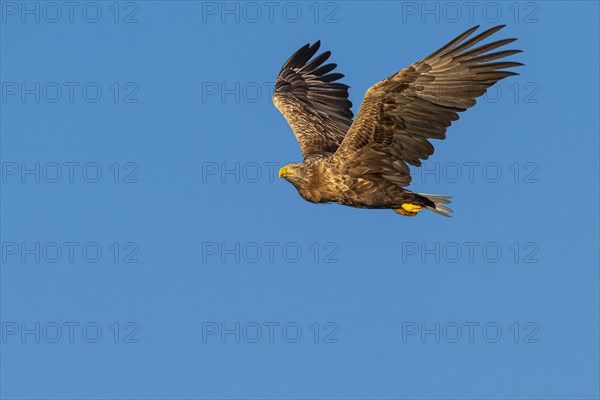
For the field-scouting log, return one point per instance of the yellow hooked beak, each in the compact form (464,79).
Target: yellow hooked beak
(283,172)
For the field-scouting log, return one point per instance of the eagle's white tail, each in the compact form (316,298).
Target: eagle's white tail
(439,202)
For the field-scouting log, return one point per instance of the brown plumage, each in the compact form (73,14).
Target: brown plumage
(363,163)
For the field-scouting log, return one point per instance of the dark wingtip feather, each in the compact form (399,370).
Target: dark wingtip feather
(323,69)
(305,80)
(292,60)
(315,47)
(470,30)
(302,55)
(464,45)
(332,77)
(311,65)
(454,42)
(307,55)
(494,29)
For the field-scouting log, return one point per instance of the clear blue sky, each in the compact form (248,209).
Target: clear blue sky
(149,250)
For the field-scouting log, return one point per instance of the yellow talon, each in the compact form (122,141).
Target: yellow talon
(409,210)
(413,208)
(406,213)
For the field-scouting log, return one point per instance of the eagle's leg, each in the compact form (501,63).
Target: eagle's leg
(409,209)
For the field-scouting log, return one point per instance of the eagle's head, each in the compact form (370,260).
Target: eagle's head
(307,178)
(293,173)
(304,176)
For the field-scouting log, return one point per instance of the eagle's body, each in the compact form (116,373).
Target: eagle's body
(363,163)
(322,181)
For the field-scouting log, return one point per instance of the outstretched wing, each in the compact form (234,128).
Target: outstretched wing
(399,114)
(316,107)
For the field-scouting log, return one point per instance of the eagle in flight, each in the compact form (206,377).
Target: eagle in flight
(363,163)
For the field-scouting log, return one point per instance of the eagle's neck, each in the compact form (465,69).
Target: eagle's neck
(314,186)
